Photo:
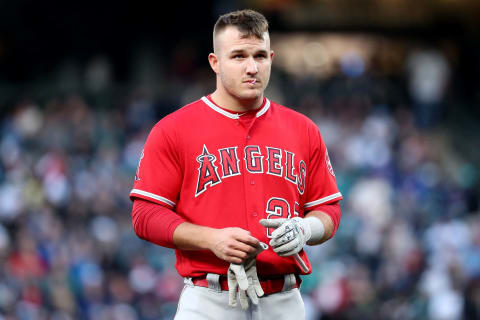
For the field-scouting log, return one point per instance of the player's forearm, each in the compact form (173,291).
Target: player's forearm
(327,226)
(188,236)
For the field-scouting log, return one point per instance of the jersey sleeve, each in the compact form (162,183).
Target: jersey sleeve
(321,183)
(159,174)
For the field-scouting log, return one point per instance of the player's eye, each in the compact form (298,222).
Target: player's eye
(261,56)
(238,56)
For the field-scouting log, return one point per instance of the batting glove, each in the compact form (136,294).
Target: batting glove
(244,278)
(291,235)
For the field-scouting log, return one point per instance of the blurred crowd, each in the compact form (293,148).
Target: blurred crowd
(408,246)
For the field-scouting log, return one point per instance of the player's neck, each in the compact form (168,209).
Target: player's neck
(228,102)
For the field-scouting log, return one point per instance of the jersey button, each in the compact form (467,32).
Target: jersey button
(252,182)
(254,214)
(248,137)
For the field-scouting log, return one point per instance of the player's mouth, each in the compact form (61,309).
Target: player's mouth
(251,81)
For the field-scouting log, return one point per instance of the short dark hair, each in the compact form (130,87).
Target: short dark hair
(248,22)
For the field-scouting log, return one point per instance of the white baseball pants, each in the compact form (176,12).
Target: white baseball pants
(200,303)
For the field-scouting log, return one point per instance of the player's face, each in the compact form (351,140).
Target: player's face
(243,64)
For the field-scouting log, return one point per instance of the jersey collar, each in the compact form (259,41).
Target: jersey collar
(235,115)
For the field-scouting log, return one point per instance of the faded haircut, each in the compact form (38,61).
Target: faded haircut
(249,23)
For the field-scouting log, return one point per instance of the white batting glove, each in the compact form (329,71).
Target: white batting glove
(291,235)
(245,278)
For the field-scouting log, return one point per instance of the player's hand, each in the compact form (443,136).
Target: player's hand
(290,235)
(244,278)
(234,245)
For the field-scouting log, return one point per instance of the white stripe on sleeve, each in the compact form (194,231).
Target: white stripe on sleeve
(322,200)
(153,196)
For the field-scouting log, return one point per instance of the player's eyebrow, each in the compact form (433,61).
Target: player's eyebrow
(236,51)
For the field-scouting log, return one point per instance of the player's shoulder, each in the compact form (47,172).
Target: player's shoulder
(292,115)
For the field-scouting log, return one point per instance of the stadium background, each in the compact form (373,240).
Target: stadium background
(393,85)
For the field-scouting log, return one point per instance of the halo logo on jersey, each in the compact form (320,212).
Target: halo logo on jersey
(302,168)
(137,173)
(329,164)
(207,172)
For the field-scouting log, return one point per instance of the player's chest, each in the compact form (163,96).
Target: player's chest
(212,158)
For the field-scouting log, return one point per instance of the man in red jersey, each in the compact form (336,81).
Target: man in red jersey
(230,172)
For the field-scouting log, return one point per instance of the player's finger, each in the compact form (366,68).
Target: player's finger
(247,239)
(287,247)
(236,256)
(280,231)
(281,238)
(233,255)
(244,251)
(244,248)
(275,243)
(272,223)
(233,260)
(261,247)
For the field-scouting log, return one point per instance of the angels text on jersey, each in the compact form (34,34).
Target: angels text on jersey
(281,163)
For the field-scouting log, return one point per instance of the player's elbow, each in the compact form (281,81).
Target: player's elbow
(154,223)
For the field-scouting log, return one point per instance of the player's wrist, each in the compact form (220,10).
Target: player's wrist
(210,238)
(316,230)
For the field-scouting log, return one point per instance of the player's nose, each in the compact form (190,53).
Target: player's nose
(252,67)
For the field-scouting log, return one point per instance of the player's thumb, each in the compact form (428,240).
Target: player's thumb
(272,223)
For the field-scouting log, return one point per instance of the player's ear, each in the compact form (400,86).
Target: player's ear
(271,55)
(213,59)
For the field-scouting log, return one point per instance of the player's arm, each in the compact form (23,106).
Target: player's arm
(161,225)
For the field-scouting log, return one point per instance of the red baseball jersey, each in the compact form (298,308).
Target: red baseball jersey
(221,169)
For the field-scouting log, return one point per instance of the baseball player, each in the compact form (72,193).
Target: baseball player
(237,185)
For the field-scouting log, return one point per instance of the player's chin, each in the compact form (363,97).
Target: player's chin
(251,94)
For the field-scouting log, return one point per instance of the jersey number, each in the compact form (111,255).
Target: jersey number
(279,208)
